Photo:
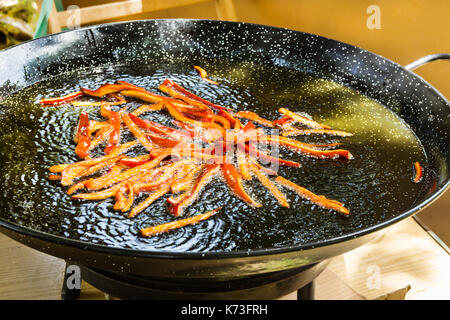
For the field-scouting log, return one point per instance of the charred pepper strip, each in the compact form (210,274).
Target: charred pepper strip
(321,201)
(63,99)
(83,136)
(265,181)
(418,172)
(151,231)
(303,120)
(234,182)
(209,171)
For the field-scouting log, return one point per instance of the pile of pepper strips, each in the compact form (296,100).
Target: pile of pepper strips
(177,160)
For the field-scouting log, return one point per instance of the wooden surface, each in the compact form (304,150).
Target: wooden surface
(405,256)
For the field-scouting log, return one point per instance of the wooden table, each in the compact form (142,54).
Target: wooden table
(405,256)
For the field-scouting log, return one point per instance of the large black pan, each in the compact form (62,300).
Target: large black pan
(135,44)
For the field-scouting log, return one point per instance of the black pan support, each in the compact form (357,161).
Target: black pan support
(389,83)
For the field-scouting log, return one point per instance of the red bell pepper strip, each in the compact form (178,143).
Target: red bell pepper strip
(60,100)
(234,182)
(188,96)
(151,231)
(285,120)
(259,154)
(159,128)
(83,136)
(137,161)
(177,115)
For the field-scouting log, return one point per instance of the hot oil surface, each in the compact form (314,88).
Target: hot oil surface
(375,186)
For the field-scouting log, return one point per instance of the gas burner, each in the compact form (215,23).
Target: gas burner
(259,287)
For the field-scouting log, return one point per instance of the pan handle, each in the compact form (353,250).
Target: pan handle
(426,59)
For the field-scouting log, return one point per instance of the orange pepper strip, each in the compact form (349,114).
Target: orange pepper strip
(259,154)
(189,97)
(321,201)
(204,75)
(208,172)
(153,97)
(137,132)
(227,115)
(303,120)
(265,181)
(288,142)
(255,118)
(419,172)
(158,193)
(267,171)
(116,151)
(164,177)
(308,149)
(130,199)
(83,136)
(101,136)
(148,107)
(58,168)
(118,101)
(97,183)
(151,231)
(298,132)
(99,195)
(180,117)
(109,88)
(159,128)
(75,187)
(184,183)
(137,170)
(100,166)
(243,166)
(114,136)
(136,161)
(72,170)
(54,177)
(120,199)
(234,182)
(60,100)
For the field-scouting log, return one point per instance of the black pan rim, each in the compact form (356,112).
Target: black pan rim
(165,254)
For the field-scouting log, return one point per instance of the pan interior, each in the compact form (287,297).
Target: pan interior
(376,185)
